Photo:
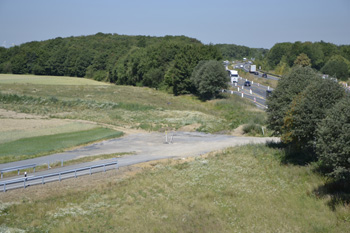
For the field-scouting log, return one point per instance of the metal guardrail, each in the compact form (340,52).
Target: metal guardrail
(59,175)
(18,168)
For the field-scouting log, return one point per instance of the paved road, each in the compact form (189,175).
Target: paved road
(246,68)
(146,147)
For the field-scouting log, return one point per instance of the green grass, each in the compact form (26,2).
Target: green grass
(243,189)
(41,145)
(40,127)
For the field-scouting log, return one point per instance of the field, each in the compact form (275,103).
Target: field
(38,106)
(242,189)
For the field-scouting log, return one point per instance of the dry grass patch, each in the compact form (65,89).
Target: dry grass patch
(46,80)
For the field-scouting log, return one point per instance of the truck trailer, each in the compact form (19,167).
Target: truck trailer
(252,70)
(234,76)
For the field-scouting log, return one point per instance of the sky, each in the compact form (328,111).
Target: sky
(253,23)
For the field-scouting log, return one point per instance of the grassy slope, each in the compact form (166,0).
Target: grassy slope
(128,106)
(243,189)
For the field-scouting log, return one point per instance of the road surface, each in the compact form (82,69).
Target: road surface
(145,147)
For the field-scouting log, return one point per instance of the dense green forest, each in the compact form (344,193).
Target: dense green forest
(159,62)
(232,52)
(325,57)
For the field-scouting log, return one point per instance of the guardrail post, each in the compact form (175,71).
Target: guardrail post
(1,175)
(104,167)
(34,169)
(75,173)
(4,187)
(90,170)
(18,171)
(42,180)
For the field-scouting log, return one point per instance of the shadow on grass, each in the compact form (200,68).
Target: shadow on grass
(339,191)
(290,155)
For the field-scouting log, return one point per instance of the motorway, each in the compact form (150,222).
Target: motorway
(256,93)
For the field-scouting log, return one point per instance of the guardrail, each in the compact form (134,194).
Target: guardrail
(18,168)
(59,175)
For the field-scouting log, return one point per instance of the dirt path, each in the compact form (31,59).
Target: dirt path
(150,146)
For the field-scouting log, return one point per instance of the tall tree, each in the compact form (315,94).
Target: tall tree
(333,141)
(287,88)
(303,60)
(308,110)
(209,77)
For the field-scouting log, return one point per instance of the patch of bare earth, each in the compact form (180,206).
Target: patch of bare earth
(190,128)
(238,131)
(11,120)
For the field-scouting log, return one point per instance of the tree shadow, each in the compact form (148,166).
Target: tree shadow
(291,155)
(338,191)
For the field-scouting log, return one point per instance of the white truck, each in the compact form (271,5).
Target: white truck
(252,70)
(234,76)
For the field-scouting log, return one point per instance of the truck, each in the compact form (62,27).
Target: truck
(252,70)
(234,76)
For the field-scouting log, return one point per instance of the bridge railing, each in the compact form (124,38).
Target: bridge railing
(59,175)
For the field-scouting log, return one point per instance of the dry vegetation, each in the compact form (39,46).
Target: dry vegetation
(242,189)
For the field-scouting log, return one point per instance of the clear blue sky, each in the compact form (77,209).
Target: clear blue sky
(253,23)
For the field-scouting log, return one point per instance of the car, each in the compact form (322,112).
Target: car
(241,66)
(264,75)
(268,93)
(247,83)
(256,73)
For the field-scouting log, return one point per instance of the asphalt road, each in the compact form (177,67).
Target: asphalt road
(145,146)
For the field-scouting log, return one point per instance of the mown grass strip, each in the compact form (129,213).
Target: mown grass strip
(37,146)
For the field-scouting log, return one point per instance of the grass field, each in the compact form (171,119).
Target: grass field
(243,189)
(42,145)
(133,107)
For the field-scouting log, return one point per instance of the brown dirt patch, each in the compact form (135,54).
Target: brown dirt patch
(238,131)
(190,128)
(15,115)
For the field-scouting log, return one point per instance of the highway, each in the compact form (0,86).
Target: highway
(256,93)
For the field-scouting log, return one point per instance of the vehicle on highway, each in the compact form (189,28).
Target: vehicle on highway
(234,76)
(264,75)
(268,93)
(247,84)
(252,70)
(241,66)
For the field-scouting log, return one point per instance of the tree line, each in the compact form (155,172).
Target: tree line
(311,114)
(158,62)
(325,57)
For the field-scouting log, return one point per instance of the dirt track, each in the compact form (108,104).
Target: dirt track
(150,146)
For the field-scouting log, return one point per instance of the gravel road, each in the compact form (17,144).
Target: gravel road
(149,146)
